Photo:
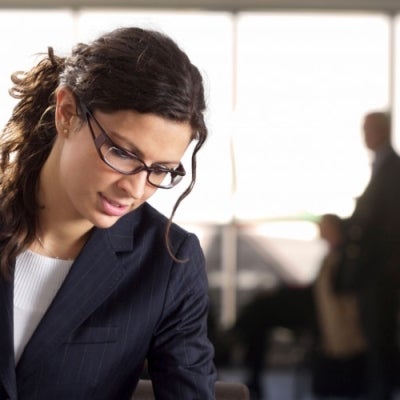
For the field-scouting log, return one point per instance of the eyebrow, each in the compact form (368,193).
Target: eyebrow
(127,145)
(135,150)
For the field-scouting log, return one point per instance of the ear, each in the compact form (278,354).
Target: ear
(65,113)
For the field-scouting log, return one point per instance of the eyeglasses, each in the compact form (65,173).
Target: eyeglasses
(128,163)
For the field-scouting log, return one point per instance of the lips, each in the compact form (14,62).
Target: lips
(112,207)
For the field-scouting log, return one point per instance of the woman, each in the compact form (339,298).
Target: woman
(95,282)
(340,358)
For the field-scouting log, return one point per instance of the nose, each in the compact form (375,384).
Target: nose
(134,185)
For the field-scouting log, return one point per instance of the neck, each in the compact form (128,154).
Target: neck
(61,231)
(59,244)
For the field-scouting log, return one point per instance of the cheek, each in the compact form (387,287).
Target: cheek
(148,192)
(80,168)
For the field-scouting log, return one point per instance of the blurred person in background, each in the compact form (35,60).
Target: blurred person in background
(338,365)
(326,323)
(371,258)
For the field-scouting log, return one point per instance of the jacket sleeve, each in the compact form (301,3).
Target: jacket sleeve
(180,359)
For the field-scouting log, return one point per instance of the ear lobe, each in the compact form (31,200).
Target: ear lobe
(62,127)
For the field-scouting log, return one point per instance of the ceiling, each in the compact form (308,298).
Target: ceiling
(389,6)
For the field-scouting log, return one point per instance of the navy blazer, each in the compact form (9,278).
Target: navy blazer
(124,301)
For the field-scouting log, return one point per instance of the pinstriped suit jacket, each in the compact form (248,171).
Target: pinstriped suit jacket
(125,300)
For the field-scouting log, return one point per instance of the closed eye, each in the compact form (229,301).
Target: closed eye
(121,153)
(160,170)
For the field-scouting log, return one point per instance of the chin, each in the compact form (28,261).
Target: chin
(104,222)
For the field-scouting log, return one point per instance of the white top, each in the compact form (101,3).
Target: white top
(37,280)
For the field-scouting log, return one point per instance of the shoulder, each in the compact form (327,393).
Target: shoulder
(153,219)
(393,161)
(389,176)
(147,227)
(148,219)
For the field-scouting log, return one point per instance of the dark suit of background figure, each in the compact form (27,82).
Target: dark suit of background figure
(287,307)
(125,300)
(372,258)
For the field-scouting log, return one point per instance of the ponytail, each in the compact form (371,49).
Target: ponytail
(26,143)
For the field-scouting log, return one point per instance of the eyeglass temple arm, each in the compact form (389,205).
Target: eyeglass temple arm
(100,140)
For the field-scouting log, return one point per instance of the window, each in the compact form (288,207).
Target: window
(304,83)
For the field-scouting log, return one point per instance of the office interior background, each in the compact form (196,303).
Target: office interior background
(287,85)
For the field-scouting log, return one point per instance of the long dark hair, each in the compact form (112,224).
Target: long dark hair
(126,69)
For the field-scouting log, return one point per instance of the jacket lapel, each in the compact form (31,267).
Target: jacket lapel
(7,362)
(93,277)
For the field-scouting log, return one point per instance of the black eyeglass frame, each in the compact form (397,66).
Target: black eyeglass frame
(176,173)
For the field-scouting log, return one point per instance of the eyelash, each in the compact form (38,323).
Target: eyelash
(121,153)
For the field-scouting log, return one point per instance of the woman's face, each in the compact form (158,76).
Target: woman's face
(97,193)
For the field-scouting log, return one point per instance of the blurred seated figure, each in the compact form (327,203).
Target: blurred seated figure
(328,318)
(339,362)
